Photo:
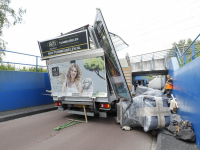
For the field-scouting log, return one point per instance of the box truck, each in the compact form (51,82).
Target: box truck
(84,69)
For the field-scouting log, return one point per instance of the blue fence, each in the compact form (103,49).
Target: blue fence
(23,89)
(186,85)
(183,56)
(186,89)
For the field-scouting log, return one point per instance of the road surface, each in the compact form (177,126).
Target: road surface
(36,133)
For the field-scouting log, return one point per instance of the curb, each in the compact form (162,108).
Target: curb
(154,143)
(24,114)
(168,142)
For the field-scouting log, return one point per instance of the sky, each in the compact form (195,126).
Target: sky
(146,25)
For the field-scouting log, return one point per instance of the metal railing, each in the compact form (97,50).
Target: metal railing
(189,54)
(36,65)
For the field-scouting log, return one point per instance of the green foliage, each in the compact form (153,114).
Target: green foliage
(8,17)
(13,68)
(189,41)
(94,64)
(2,46)
(42,70)
(33,69)
(197,55)
(183,43)
(7,67)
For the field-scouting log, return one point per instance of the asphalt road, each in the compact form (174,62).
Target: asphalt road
(36,133)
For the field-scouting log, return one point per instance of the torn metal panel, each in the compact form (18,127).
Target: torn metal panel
(113,67)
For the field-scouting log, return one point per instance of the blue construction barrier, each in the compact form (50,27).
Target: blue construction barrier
(23,89)
(186,88)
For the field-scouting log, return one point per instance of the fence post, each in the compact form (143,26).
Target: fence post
(179,55)
(36,63)
(166,56)
(193,52)
(184,58)
(176,52)
(152,61)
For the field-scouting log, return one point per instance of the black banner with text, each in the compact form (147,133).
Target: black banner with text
(65,44)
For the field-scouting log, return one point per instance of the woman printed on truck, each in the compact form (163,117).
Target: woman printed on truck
(72,84)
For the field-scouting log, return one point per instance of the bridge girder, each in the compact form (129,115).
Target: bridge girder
(150,73)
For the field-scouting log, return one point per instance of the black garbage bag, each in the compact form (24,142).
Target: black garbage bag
(176,119)
(183,131)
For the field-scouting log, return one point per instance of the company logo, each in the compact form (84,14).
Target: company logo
(52,43)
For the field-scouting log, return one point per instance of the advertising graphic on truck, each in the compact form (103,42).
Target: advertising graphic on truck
(79,78)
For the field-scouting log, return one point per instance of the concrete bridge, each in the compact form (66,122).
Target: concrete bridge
(155,63)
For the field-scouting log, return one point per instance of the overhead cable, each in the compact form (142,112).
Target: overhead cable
(128,30)
(167,34)
(165,26)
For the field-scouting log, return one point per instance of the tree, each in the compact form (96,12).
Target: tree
(182,45)
(189,41)
(8,17)
(94,64)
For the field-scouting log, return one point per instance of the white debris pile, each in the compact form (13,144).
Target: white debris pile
(142,90)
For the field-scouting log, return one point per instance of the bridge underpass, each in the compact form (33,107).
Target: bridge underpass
(150,64)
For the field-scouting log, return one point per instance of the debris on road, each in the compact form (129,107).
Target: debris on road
(68,124)
(173,104)
(142,90)
(182,129)
(145,111)
(126,128)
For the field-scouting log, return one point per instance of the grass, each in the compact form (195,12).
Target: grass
(7,67)
(13,68)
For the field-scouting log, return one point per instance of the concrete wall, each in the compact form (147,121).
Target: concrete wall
(136,66)
(157,64)
(186,89)
(146,65)
(23,89)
